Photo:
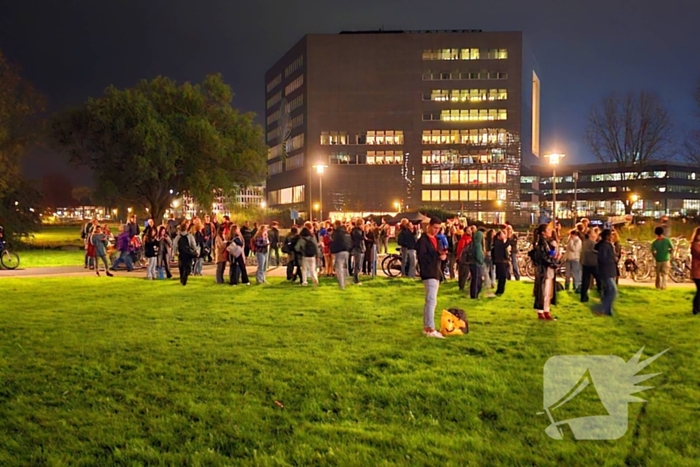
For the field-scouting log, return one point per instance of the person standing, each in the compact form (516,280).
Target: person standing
(589,263)
(247,235)
(430,259)
(607,273)
(150,246)
(572,259)
(544,258)
(261,244)
(165,251)
(357,235)
(307,248)
(661,248)
(220,254)
(512,239)
(340,246)
(133,227)
(274,235)
(99,241)
(186,253)
(477,264)
(237,266)
(695,267)
(85,233)
(501,261)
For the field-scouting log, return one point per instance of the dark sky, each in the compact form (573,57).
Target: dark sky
(73,49)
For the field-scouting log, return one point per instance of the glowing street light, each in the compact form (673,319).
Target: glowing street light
(397,205)
(316,206)
(554,160)
(320,170)
(263,204)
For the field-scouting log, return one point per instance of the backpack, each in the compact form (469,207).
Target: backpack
(184,247)
(289,244)
(467,255)
(310,249)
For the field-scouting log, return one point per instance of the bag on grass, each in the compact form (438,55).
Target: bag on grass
(453,322)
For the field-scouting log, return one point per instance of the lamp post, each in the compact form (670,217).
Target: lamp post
(397,205)
(575,176)
(320,169)
(554,160)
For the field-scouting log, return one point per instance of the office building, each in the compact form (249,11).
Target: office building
(401,120)
(604,189)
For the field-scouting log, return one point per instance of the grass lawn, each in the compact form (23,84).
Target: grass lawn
(56,236)
(98,371)
(30,259)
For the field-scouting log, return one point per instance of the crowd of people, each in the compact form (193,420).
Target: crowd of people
(482,258)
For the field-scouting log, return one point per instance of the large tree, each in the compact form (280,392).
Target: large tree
(631,130)
(692,142)
(20,106)
(146,142)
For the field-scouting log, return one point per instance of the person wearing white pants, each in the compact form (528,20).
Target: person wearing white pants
(307,247)
(430,258)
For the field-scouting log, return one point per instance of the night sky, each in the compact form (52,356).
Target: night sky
(73,49)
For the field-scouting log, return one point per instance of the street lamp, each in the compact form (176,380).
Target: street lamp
(320,169)
(263,204)
(554,160)
(397,205)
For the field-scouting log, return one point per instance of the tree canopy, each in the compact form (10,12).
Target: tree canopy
(631,131)
(20,106)
(692,142)
(159,136)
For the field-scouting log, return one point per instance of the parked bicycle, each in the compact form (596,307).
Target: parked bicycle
(8,259)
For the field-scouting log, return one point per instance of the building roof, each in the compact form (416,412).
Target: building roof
(426,31)
(604,167)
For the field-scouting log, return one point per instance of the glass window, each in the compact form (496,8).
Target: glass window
(444,195)
(435,195)
(425,195)
(454,195)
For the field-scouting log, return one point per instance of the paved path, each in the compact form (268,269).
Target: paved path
(209,270)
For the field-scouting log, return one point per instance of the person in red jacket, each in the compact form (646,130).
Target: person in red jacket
(462,267)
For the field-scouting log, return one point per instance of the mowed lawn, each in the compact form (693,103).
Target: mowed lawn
(56,236)
(123,371)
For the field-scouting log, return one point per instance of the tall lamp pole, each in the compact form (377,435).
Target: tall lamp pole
(575,175)
(554,160)
(320,168)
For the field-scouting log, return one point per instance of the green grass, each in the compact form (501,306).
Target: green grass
(31,259)
(123,371)
(55,237)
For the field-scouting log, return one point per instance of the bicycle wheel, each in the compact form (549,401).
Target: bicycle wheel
(385,265)
(9,259)
(677,271)
(394,267)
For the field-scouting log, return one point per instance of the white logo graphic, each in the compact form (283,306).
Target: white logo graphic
(599,387)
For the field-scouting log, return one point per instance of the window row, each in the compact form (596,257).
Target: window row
(296,121)
(274,134)
(452,158)
(466,95)
(273,117)
(274,168)
(294,162)
(480,137)
(292,144)
(463,177)
(274,100)
(295,103)
(294,85)
(274,83)
(294,194)
(464,75)
(392,137)
(466,115)
(294,66)
(465,54)
(371,158)
(463,195)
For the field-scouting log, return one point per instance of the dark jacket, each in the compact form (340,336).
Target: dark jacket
(607,261)
(695,262)
(589,255)
(478,248)
(340,241)
(358,239)
(151,248)
(274,236)
(428,259)
(499,252)
(133,229)
(406,239)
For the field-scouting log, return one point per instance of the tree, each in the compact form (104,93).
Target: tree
(692,141)
(56,189)
(20,106)
(159,138)
(631,131)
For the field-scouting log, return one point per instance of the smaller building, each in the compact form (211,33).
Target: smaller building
(603,189)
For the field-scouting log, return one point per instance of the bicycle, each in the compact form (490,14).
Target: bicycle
(8,259)
(392,265)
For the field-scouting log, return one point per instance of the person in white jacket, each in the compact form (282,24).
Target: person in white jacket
(572,259)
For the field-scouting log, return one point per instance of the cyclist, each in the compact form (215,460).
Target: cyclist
(2,238)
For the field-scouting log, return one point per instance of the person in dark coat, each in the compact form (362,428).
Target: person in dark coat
(544,256)
(607,273)
(500,256)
